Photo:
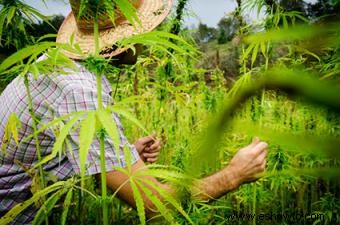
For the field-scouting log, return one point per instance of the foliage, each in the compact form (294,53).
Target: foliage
(277,65)
(16,17)
(205,33)
(227,29)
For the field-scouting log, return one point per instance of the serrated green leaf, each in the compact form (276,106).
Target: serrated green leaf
(10,14)
(129,116)
(46,208)
(8,217)
(139,202)
(58,144)
(64,132)
(247,52)
(2,21)
(254,54)
(169,198)
(66,205)
(127,157)
(24,53)
(14,124)
(129,11)
(86,135)
(160,39)
(167,175)
(34,71)
(11,130)
(164,211)
(54,122)
(46,36)
(106,120)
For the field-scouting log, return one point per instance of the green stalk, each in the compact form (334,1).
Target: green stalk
(254,203)
(282,200)
(262,107)
(263,91)
(35,135)
(119,217)
(103,180)
(80,206)
(238,207)
(99,90)
(267,56)
(101,138)
(102,154)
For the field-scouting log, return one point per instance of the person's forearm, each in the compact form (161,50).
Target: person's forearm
(208,188)
(213,186)
(216,185)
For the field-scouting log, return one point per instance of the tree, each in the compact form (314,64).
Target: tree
(227,28)
(222,38)
(177,23)
(328,8)
(205,34)
(175,29)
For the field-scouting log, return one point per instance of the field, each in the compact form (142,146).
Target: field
(205,100)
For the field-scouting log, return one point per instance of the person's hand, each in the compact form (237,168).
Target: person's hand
(249,161)
(148,148)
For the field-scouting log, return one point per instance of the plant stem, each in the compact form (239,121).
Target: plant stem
(99,91)
(102,155)
(103,180)
(101,137)
(254,203)
(35,135)
(80,204)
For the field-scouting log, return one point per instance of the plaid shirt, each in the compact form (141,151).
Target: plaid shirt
(53,96)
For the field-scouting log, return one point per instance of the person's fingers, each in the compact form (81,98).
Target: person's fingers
(259,148)
(151,155)
(255,141)
(263,165)
(145,140)
(152,160)
(153,135)
(156,145)
(261,158)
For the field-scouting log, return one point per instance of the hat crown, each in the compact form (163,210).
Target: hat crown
(85,18)
(78,29)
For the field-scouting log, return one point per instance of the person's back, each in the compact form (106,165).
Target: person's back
(52,96)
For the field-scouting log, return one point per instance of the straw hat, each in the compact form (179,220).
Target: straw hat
(80,29)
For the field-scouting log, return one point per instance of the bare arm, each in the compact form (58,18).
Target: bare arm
(243,167)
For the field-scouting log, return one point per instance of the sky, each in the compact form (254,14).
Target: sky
(208,11)
(205,11)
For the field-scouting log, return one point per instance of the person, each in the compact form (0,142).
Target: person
(56,96)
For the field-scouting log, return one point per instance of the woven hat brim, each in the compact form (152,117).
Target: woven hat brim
(151,13)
